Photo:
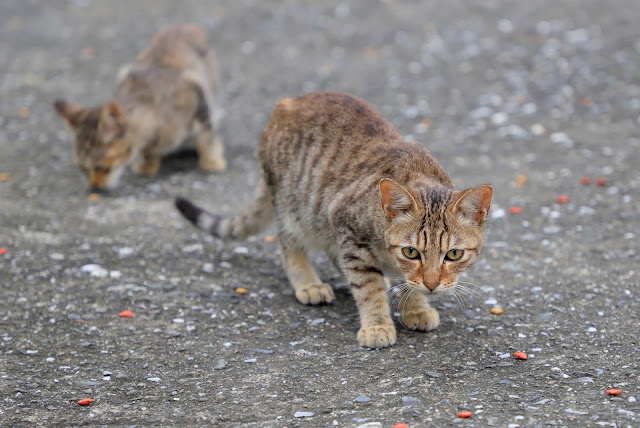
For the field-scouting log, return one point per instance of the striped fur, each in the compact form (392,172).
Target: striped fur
(338,177)
(167,95)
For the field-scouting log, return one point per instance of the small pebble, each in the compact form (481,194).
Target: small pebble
(154,379)
(302,414)
(362,399)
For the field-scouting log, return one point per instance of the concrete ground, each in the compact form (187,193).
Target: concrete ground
(528,96)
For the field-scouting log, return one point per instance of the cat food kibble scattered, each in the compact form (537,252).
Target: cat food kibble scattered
(24,112)
(585,180)
(614,391)
(601,182)
(521,180)
(241,290)
(563,199)
(464,415)
(4,176)
(93,197)
(85,401)
(3,251)
(515,210)
(269,239)
(401,426)
(520,355)
(497,311)
(126,314)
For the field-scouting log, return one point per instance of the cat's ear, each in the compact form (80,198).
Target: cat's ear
(473,204)
(70,112)
(112,121)
(396,199)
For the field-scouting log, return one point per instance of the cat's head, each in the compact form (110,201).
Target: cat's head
(100,146)
(433,233)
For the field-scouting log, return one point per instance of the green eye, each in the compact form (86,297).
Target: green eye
(410,253)
(454,255)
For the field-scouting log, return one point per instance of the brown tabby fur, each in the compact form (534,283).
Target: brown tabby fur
(167,95)
(338,177)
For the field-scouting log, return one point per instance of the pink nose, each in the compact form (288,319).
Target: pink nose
(431,280)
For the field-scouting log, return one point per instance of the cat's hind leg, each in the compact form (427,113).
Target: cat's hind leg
(309,289)
(415,311)
(210,150)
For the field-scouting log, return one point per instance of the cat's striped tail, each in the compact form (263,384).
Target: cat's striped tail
(255,218)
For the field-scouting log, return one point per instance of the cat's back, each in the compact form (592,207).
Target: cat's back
(342,138)
(177,46)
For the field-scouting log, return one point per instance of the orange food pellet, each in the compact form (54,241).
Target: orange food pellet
(497,311)
(520,355)
(93,197)
(587,101)
(24,112)
(466,414)
(241,290)
(601,181)
(401,426)
(4,176)
(585,180)
(85,401)
(269,239)
(515,210)
(520,180)
(563,199)
(3,251)
(614,391)
(126,314)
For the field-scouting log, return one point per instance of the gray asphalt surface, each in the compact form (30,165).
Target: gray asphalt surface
(548,90)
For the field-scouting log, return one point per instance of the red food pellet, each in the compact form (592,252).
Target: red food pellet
(3,251)
(520,355)
(614,391)
(85,401)
(465,414)
(515,210)
(601,182)
(563,199)
(126,314)
(401,426)
(585,180)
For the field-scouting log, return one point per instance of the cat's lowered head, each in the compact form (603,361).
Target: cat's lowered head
(168,94)
(338,177)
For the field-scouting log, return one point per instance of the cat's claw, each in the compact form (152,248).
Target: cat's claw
(377,336)
(422,319)
(315,294)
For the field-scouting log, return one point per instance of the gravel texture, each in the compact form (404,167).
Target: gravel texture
(528,96)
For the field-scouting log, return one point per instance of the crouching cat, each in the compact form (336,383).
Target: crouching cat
(338,177)
(168,94)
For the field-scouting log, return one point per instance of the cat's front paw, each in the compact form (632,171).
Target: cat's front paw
(147,166)
(377,336)
(315,294)
(422,319)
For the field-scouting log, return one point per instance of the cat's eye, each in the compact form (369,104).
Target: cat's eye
(454,255)
(410,253)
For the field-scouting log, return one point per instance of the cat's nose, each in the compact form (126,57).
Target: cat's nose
(431,280)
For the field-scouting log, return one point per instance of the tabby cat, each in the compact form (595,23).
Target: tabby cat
(338,177)
(166,95)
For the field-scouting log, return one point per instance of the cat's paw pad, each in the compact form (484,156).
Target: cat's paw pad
(377,336)
(212,164)
(422,319)
(315,294)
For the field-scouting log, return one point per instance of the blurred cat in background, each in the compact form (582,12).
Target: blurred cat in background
(167,95)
